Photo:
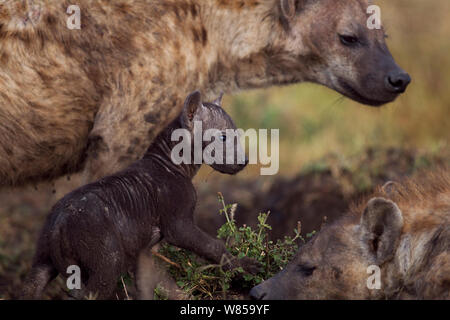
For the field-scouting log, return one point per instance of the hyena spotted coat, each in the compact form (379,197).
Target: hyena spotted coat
(95,98)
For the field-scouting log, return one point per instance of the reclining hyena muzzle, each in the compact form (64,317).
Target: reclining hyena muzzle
(103,227)
(397,246)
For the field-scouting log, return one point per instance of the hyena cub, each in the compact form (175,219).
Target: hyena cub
(104,226)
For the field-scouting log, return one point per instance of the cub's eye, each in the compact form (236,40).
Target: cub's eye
(306,270)
(223,138)
(348,40)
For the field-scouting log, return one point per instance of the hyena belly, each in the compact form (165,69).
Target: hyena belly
(52,83)
(46,113)
(94,97)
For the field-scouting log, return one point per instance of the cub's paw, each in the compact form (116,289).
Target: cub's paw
(250,265)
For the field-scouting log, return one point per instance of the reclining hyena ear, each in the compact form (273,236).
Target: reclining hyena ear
(289,8)
(218,101)
(390,188)
(381,227)
(191,105)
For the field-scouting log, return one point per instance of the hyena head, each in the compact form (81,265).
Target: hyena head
(334,264)
(344,54)
(221,148)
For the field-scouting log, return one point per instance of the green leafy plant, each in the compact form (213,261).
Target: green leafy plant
(202,280)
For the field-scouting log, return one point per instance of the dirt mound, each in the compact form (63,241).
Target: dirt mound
(320,192)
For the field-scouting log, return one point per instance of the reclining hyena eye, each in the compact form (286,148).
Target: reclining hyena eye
(348,40)
(223,138)
(306,270)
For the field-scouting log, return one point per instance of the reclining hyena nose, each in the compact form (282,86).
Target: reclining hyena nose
(397,82)
(257,293)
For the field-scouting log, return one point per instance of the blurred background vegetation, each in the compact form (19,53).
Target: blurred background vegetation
(315,121)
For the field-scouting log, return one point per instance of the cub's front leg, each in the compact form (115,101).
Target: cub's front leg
(185,234)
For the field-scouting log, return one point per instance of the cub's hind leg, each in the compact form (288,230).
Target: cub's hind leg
(40,275)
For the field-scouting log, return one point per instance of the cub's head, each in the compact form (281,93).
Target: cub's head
(340,49)
(213,135)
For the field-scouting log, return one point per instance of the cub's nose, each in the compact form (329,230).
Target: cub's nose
(397,82)
(257,293)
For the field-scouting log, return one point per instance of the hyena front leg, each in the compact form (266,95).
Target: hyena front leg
(122,132)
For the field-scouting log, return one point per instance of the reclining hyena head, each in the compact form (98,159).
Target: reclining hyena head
(407,238)
(345,54)
(217,131)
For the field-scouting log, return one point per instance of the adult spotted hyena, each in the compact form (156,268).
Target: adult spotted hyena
(404,231)
(95,98)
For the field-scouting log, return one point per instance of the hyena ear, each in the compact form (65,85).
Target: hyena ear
(218,101)
(289,8)
(191,105)
(381,227)
(390,188)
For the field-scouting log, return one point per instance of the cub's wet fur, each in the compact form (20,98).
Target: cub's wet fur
(104,226)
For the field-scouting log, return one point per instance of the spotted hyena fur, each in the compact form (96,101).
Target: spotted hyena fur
(403,231)
(95,98)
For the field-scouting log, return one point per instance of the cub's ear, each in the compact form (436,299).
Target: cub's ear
(289,8)
(218,101)
(191,105)
(381,227)
(390,188)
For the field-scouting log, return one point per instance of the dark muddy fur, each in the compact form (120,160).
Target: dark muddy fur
(104,226)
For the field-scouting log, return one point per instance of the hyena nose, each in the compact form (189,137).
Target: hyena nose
(257,293)
(397,82)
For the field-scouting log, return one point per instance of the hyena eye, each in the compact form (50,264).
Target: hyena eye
(223,138)
(348,41)
(306,270)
